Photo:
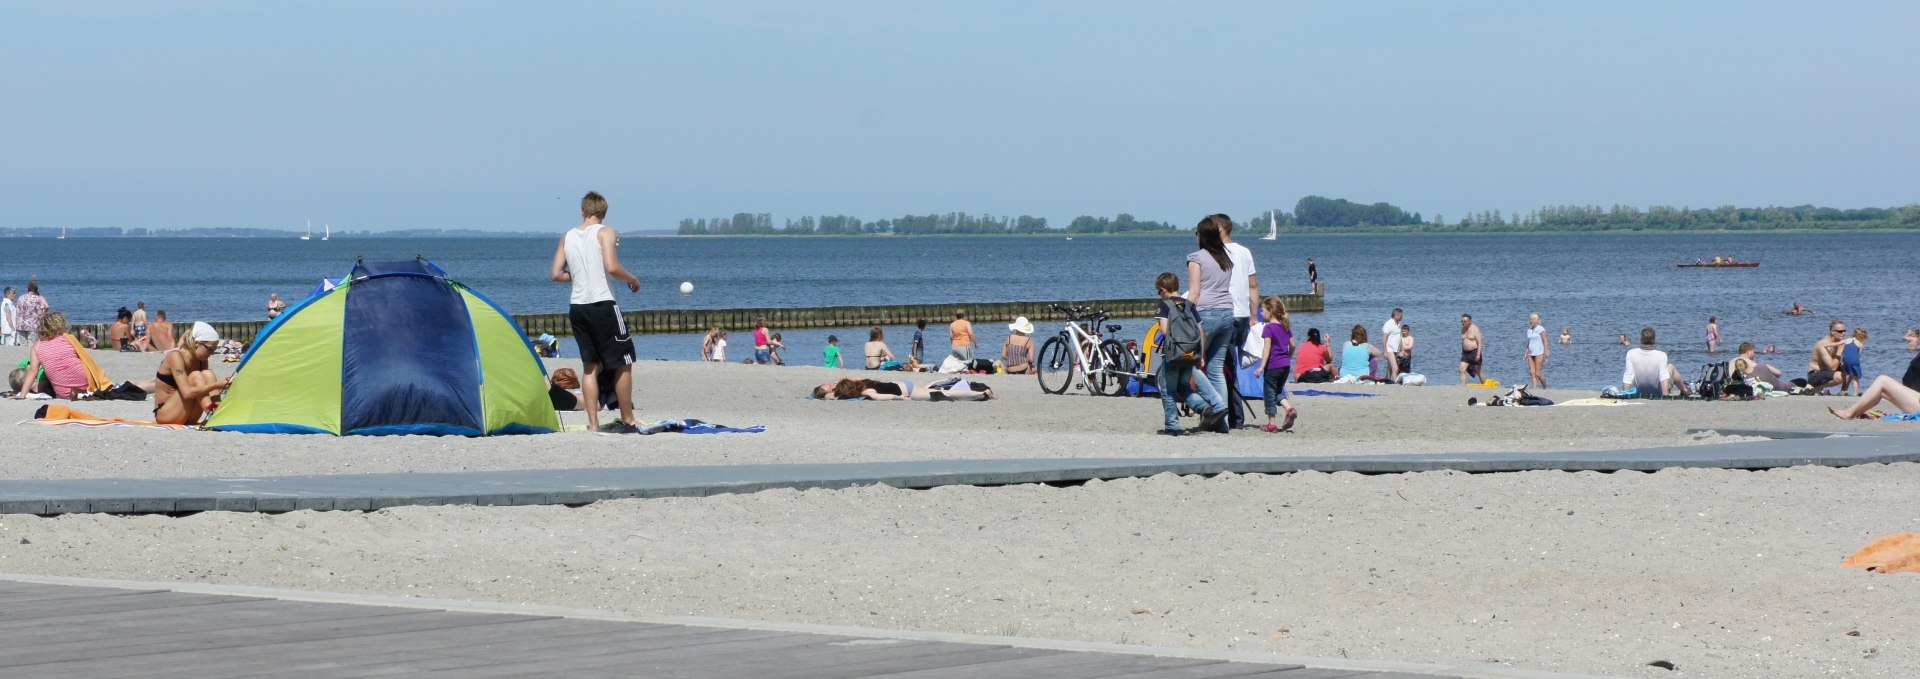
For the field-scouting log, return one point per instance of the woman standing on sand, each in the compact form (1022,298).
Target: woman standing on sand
(1713,335)
(1537,352)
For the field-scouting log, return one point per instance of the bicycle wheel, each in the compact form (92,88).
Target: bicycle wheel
(1055,365)
(1119,367)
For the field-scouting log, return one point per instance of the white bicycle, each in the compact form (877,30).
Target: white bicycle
(1102,366)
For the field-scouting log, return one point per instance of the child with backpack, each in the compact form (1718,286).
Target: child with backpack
(1276,361)
(1182,349)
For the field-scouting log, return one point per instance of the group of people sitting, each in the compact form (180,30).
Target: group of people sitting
(131,331)
(184,388)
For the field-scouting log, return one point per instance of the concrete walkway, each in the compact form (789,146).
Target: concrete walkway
(579,486)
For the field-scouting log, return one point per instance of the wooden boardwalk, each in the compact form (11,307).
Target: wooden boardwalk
(580,486)
(54,630)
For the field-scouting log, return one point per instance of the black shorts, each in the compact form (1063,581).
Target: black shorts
(601,334)
(1820,378)
(1405,363)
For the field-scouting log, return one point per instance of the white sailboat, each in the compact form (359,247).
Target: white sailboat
(63,234)
(309,234)
(326,232)
(1273,226)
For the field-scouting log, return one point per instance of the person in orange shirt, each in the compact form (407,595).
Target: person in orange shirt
(963,340)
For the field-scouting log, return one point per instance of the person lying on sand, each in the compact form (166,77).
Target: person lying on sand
(1884,388)
(852,388)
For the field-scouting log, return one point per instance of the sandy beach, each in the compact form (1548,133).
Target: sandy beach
(1721,573)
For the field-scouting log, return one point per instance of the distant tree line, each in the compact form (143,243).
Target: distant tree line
(1316,213)
(744,224)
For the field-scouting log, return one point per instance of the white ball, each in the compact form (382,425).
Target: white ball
(686,287)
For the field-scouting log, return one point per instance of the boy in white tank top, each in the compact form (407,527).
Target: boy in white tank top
(587,256)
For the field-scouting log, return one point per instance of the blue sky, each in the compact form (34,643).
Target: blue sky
(498,115)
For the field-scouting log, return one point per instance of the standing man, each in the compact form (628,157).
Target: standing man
(1823,370)
(27,314)
(963,340)
(1313,275)
(1390,336)
(1244,286)
(1470,345)
(6,317)
(587,256)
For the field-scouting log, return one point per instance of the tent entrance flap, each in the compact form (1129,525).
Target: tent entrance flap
(409,358)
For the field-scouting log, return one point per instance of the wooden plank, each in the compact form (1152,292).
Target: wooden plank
(650,662)
(1218,670)
(51,609)
(123,626)
(64,658)
(1056,665)
(953,655)
(331,656)
(409,661)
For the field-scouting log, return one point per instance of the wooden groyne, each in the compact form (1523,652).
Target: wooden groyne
(661,321)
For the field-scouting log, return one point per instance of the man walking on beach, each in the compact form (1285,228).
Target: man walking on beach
(587,256)
(1390,336)
(1823,370)
(27,314)
(1244,286)
(1469,350)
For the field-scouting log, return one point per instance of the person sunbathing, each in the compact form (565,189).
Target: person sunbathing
(184,387)
(1884,388)
(847,388)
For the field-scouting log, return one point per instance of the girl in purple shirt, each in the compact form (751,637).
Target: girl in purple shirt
(1276,362)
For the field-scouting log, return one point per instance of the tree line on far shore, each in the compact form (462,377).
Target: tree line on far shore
(1316,214)
(761,224)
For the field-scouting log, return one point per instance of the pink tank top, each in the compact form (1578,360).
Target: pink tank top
(62,363)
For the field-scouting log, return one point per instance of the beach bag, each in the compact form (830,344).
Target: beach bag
(1183,334)
(1413,379)
(953,364)
(1255,345)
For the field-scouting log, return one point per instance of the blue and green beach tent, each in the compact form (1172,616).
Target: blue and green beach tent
(396,348)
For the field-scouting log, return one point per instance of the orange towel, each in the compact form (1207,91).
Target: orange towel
(1897,553)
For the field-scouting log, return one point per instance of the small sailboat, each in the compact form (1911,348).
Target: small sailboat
(326,232)
(309,234)
(63,234)
(1273,227)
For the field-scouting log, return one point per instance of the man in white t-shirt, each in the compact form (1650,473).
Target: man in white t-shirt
(1390,334)
(6,317)
(1244,286)
(1648,371)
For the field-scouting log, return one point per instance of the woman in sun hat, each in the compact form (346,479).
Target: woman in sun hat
(1016,355)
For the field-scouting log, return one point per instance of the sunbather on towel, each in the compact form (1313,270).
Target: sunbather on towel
(850,388)
(1884,388)
(184,386)
(57,354)
(563,388)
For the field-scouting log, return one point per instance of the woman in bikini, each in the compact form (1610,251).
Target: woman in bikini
(875,390)
(1713,335)
(184,386)
(1016,354)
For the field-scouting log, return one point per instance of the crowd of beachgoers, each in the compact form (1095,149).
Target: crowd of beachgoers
(1214,330)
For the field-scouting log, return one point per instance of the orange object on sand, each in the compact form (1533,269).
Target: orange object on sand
(1897,553)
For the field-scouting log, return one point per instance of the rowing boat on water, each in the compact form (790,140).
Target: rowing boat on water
(1718,265)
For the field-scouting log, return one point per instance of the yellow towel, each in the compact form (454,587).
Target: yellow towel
(96,378)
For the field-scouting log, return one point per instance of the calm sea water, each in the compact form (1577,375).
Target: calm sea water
(1600,286)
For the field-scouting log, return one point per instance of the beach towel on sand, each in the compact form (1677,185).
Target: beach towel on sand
(62,416)
(1902,417)
(1342,394)
(689,426)
(1897,553)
